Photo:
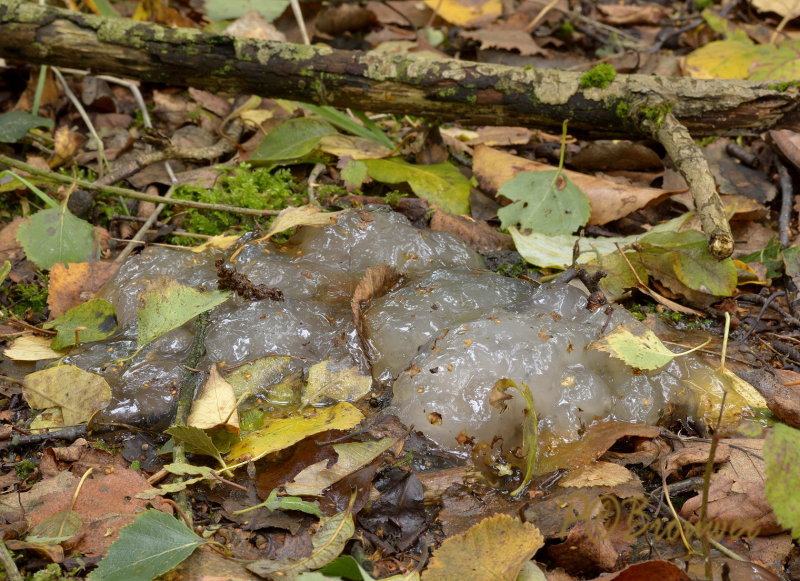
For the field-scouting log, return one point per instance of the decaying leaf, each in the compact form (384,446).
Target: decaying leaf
(597,474)
(93,320)
(31,348)
(280,434)
(351,456)
(495,548)
(325,386)
(782,455)
(76,392)
(530,428)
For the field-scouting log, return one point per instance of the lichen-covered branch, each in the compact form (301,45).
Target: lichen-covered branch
(690,162)
(440,89)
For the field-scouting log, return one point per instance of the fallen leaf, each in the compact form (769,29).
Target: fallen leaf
(215,405)
(609,200)
(638,346)
(466,12)
(93,320)
(71,284)
(31,348)
(325,386)
(76,392)
(495,548)
(280,434)
(597,474)
(782,456)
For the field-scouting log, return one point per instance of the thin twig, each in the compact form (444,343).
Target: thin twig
(117,191)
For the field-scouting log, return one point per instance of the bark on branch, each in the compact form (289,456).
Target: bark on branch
(440,89)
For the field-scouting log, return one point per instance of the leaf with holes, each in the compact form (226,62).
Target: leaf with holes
(547,202)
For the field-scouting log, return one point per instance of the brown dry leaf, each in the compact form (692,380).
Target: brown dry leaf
(10,248)
(789,8)
(597,440)
(75,283)
(692,453)
(495,548)
(477,233)
(504,39)
(31,348)
(609,200)
(736,497)
(618,14)
(788,142)
(588,547)
(597,474)
(493,136)
(376,282)
(215,405)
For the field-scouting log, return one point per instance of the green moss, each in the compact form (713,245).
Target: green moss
(472,99)
(657,113)
(245,187)
(784,86)
(623,110)
(599,76)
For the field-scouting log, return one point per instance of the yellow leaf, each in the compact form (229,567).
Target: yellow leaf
(31,348)
(467,12)
(280,434)
(597,474)
(77,392)
(496,548)
(215,405)
(219,242)
(724,59)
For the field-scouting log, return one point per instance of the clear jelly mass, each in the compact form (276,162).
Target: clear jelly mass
(442,337)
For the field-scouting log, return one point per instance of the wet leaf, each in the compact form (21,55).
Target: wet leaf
(215,405)
(547,202)
(280,434)
(219,242)
(92,321)
(56,235)
(71,283)
(168,304)
(782,455)
(255,376)
(326,386)
(199,441)
(292,141)
(441,184)
(495,548)
(76,392)
(351,456)
(328,542)
(150,546)
(638,346)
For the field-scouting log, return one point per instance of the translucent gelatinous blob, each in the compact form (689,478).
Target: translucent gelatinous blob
(447,333)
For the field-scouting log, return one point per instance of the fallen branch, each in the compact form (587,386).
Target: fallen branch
(413,84)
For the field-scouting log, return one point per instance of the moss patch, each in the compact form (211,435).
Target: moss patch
(599,76)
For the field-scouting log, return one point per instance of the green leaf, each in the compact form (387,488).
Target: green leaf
(354,172)
(150,546)
(55,235)
(345,123)
(782,455)
(12,185)
(772,257)
(530,429)
(638,346)
(328,543)
(291,141)
(97,318)
(440,184)
(547,202)
(780,63)
(56,529)
(232,9)
(684,256)
(14,125)
(275,502)
(6,268)
(197,439)
(169,304)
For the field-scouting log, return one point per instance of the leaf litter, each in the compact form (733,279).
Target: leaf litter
(672,265)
